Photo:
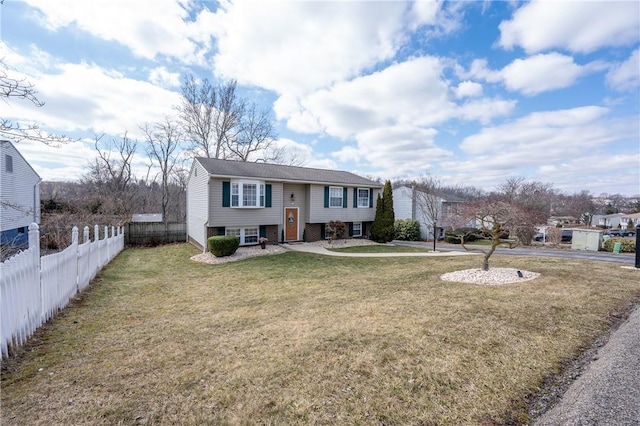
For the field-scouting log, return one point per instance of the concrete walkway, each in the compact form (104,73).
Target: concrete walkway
(315,249)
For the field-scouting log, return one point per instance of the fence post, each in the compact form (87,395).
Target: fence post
(74,243)
(85,234)
(34,248)
(96,239)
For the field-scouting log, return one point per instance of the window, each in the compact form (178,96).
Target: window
(247,194)
(234,195)
(235,232)
(335,197)
(357,227)
(363,198)
(8,163)
(246,235)
(250,235)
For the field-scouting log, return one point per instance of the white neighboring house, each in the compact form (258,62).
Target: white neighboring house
(409,203)
(19,196)
(609,221)
(634,217)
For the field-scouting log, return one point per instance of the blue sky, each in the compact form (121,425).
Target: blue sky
(471,92)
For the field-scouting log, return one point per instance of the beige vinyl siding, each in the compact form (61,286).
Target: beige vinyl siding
(197,203)
(318,213)
(19,191)
(239,217)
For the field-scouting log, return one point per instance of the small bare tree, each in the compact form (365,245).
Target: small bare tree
(163,139)
(428,194)
(111,175)
(495,218)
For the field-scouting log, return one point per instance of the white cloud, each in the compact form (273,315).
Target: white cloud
(468,89)
(626,76)
(541,73)
(578,26)
(162,77)
(149,29)
(534,74)
(294,47)
(546,133)
(85,97)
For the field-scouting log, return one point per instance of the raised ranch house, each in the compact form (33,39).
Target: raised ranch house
(254,200)
(19,196)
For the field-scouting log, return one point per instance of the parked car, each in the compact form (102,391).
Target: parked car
(567,236)
(614,233)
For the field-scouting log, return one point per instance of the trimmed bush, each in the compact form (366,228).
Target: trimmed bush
(407,230)
(223,245)
(628,245)
(470,234)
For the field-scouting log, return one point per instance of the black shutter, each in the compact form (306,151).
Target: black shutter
(355,197)
(370,197)
(267,195)
(344,198)
(323,234)
(263,231)
(226,194)
(326,197)
(351,229)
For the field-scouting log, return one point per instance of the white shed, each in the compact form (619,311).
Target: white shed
(586,239)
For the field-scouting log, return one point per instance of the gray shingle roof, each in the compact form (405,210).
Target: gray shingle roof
(227,168)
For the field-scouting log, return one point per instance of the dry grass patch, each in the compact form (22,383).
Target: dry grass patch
(298,338)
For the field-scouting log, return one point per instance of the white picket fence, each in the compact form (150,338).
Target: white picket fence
(34,288)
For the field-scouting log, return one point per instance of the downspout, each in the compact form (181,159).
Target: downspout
(204,243)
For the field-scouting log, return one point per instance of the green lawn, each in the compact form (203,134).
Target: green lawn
(298,338)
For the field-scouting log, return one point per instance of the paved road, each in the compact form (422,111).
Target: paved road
(608,391)
(627,258)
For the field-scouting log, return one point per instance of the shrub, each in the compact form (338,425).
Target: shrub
(336,230)
(628,245)
(223,245)
(407,229)
(470,234)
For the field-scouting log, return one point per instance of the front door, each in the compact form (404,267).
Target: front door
(291,223)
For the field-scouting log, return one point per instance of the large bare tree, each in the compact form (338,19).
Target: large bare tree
(12,87)
(221,124)
(163,139)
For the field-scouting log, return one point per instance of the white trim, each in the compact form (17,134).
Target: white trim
(243,233)
(240,184)
(366,206)
(341,188)
(354,229)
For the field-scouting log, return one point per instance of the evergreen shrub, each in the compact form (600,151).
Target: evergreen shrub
(407,230)
(628,245)
(223,245)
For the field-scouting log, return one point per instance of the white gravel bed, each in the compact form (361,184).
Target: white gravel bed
(252,251)
(494,276)
(241,253)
